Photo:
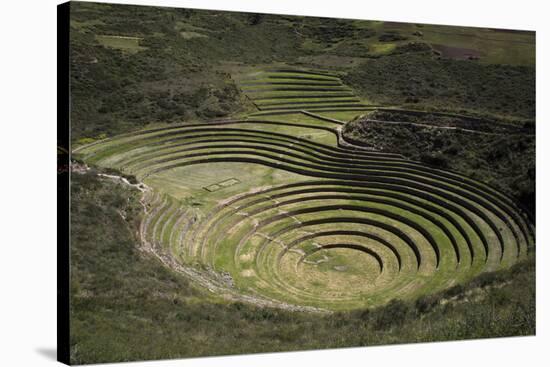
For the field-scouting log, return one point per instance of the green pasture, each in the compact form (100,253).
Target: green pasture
(123,43)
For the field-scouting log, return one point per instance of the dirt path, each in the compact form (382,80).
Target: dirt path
(140,185)
(321,117)
(435,127)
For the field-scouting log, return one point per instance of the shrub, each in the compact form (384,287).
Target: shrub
(437,160)
(456,290)
(391,315)
(426,303)
(391,37)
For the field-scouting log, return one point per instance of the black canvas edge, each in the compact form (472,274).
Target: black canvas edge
(63,184)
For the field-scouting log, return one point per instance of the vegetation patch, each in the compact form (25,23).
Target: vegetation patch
(424,82)
(457,52)
(124,43)
(189,35)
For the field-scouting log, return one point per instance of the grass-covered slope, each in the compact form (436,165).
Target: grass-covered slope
(287,89)
(126,305)
(425,82)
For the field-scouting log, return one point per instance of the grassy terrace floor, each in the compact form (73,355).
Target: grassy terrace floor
(283,89)
(279,211)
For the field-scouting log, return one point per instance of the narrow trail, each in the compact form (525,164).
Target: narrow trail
(453,128)
(140,185)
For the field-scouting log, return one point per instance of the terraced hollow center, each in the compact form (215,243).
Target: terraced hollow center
(286,212)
